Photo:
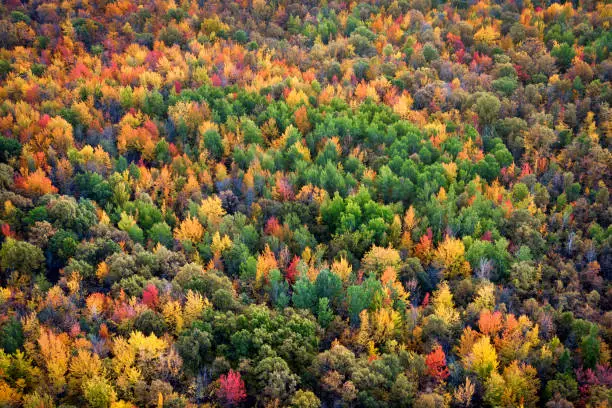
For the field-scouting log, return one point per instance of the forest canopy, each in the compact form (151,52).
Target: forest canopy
(305,204)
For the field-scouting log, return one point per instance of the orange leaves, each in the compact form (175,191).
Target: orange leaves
(436,364)
(265,263)
(36,184)
(54,351)
(301,120)
(490,323)
(96,304)
(138,134)
(424,249)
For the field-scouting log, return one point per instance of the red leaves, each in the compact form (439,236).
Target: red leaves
(292,272)
(272,226)
(436,364)
(44,120)
(150,295)
(6,231)
(231,388)
(80,70)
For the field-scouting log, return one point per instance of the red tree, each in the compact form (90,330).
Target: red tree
(150,295)
(436,364)
(292,272)
(231,388)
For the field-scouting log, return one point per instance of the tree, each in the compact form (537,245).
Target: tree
(99,393)
(189,230)
(487,107)
(37,184)
(443,305)
(20,256)
(564,53)
(11,336)
(231,389)
(274,380)
(482,359)
(305,399)
(55,354)
(450,256)
(436,364)
(517,386)
(214,144)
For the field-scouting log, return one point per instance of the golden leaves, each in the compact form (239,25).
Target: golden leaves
(190,229)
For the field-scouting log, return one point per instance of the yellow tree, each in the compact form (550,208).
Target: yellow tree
(189,230)
(443,305)
(54,351)
(193,308)
(211,210)
(377,259)
(450,257)
(83,366)
(342,268)
(482,360)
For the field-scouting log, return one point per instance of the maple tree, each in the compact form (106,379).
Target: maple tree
(436,364)
(231,388)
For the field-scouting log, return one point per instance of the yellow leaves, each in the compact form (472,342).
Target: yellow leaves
(403,105)
(342,268)
(8,396)
(379,258)
(5,295)
(384,323)
(173,315)
(138,348)
(450,257)
(189,230)
(194,306)
(54,351)
(363,336)
(303,151)
(82,366)
(297,97)
(485,297)
(482,360)
(441,194)
(147,347)
(487,34)
(126,222)
(450,169)
(211,210)
(74,282)
(443,305)
(220,244)
(60,133)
